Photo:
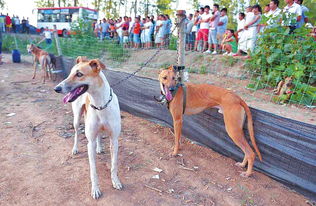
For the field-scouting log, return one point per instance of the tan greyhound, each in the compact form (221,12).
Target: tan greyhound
(202,96)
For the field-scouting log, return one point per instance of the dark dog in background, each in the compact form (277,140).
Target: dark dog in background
(53,60)
(284,90)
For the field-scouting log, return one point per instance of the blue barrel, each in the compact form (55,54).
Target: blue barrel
(16,56)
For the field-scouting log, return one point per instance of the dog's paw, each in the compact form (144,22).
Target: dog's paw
(173,154)
(245,174)
(239,164)
(96,193)
(74,151)
(116,183)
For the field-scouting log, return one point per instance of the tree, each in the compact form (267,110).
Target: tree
(2,3)
(164,7)
(196,4)
(45,3)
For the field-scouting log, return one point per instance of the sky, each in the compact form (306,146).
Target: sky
(24,8)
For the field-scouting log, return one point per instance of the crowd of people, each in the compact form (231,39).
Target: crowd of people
(209,28)
(206,29)
(14,24)
(139,33)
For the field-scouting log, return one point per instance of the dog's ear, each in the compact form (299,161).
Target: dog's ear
(81,59)
(96,65)
(170,68)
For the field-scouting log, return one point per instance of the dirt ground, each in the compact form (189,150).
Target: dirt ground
(37,168)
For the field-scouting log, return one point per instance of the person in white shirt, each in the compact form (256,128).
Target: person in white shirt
(274,14)
(212,36)
(293,14)
(242,42)
(240,26)
(304,18)
(119,30)
(47,37)
(204,27)
(261,26)
(158,27)
(251,28)
(148,32)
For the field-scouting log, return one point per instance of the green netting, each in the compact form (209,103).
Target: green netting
(277,55)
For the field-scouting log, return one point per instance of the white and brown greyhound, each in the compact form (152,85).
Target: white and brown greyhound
(88,90)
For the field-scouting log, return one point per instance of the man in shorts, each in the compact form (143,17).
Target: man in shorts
(189,36)
(222,25)
(136,33)
(204,27)
(212,38)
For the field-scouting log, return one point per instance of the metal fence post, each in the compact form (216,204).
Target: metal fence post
(181,16)
(59,51)
(57,41)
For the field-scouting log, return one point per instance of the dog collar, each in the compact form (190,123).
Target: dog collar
(104,106)
(179,84)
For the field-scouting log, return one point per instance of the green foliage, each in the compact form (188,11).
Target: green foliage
(173,42)
(279,54)
(2,4)
(192,70)
(164,7)
(229,61)
(203,69)
(71,47)
(45,3)
(82,29)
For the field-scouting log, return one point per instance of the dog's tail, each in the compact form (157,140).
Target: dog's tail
(250,128)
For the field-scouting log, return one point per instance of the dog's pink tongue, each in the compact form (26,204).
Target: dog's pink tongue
(67,97)
(70,95)
(168,94)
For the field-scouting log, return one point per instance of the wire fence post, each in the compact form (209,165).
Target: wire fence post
(59,51)
(181,16)
(57,41)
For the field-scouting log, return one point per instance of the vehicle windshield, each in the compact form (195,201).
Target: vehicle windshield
(57,15)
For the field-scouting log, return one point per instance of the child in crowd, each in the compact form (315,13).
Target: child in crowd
(229,43)
(240,27)
(112,30)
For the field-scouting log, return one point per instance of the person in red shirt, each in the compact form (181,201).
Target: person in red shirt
(8,23)
(136,33)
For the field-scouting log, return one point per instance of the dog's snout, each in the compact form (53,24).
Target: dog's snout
(171,89)
(58,89)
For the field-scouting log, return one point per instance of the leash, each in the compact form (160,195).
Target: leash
(145,64)
(138,70)
(104,106)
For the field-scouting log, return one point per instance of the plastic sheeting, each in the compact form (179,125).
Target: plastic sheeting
(288,147)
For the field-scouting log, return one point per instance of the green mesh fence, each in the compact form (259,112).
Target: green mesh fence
(277,55)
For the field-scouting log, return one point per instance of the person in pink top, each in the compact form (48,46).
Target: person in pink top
(212,35)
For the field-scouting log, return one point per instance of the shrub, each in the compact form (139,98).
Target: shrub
(279,54)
